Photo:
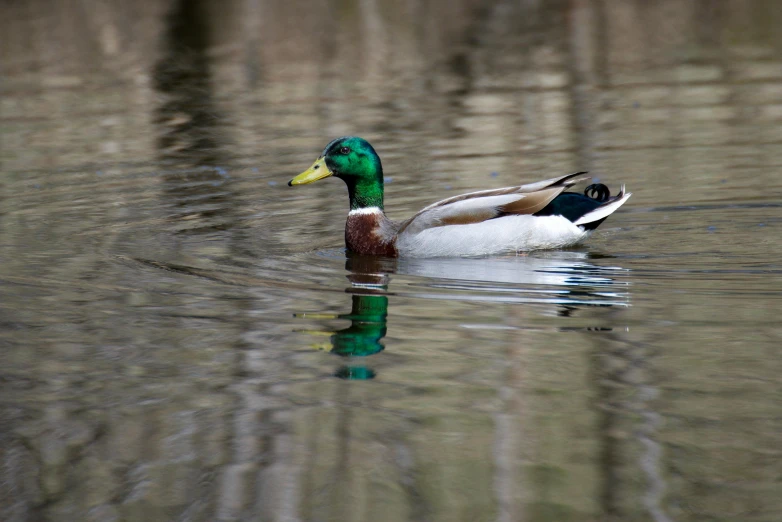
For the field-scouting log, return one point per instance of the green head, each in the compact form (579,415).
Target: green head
(355,162)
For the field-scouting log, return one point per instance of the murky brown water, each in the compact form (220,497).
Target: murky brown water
(183,338)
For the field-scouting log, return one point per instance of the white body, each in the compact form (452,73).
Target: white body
(496,236)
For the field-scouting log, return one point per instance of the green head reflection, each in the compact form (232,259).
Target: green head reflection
(367,327)
(355,373)
(368,314)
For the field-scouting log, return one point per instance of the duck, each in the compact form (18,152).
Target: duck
(520,219)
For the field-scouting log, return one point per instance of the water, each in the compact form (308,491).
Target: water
(184,338)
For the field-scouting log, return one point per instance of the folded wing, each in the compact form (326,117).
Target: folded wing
(489,204)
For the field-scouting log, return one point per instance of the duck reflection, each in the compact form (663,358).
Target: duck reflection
(566,281)
(367,327)
(369,282)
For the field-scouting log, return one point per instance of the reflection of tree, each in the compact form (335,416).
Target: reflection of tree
(188,122)
(628,425)
(187,119)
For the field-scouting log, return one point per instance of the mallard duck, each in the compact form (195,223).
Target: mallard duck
(529,217)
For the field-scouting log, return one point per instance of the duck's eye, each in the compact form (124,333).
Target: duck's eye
(345,150)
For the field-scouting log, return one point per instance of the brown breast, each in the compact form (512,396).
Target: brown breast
(362,235)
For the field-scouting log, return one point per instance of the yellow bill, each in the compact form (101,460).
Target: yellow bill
(317,171)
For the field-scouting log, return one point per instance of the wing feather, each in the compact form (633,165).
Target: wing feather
(475,207)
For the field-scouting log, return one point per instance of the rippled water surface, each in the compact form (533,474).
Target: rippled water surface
(183,337)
